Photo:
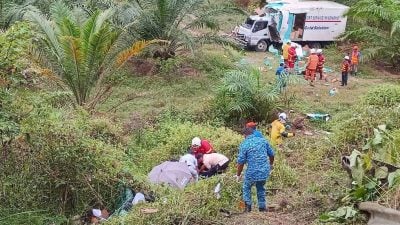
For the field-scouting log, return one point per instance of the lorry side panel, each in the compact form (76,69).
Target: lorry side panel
(324,24)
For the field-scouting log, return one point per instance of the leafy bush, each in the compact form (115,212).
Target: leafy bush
(58,163)
(14,44)
(172,138)
(194,205)
(351,128)
(386,95)
(376,24)
(214,64)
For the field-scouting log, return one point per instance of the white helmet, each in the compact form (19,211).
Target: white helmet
(196,141)
(319,51)
(312,51)
(347,57)
(282,116)
(293,45)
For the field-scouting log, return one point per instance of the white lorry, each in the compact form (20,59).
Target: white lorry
(304,22)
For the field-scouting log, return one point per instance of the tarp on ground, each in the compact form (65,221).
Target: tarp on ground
(174,174)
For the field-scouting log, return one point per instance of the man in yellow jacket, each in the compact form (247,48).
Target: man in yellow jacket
(285,52)
(278,130)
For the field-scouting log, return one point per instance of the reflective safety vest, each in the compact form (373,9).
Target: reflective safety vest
(354,57)
(312,62)
(345,66)
(292,55)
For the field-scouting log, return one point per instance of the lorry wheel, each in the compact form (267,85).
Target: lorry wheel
(316,45)
(261,46)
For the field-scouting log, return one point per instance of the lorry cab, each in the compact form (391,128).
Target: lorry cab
(254,32)
(299,21)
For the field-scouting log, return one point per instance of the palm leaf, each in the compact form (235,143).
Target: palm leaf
(395,27)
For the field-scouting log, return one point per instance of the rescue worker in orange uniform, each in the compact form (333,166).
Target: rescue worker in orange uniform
(345,70)
(355,59)
(292,57)
(311,67)
(321,62)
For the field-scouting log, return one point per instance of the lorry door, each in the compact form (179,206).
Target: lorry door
(290,23)
(298,27)
(259,32)
(324,24)
(274,26)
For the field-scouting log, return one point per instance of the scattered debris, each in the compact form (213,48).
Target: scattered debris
(318,116)
(308,133)
(148,210)
(217,190)
(333,91)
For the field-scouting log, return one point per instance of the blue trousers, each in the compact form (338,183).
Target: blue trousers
(247,185)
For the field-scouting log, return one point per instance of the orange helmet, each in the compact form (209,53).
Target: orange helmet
(251,124)
(355,47)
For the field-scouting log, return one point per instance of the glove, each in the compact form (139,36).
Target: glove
(238,178)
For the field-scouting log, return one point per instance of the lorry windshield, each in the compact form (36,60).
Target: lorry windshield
(249,23)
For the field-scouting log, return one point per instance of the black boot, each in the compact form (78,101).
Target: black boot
(263,209)
(248,208)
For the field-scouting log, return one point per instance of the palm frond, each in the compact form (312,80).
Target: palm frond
(59,12)
(47,29)
(134,50)
(12,12)
(395,27)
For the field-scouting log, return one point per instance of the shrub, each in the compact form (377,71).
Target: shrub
(214,64)
(386,95)
(195,205)
(171,139)
(56,164)
(13,48)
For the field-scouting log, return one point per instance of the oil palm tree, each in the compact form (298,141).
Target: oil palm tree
(83,54)
(243,96)
(14,10)
(377,26)
(183,23)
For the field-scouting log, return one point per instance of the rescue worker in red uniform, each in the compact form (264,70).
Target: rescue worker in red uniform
(292,57)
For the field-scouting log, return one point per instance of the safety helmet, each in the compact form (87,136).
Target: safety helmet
(293,45)
(312,51)
(196,141)
(282,116)
(251,124)
(319,51)
(347,57)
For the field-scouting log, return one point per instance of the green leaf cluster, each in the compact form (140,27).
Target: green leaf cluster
(376,23)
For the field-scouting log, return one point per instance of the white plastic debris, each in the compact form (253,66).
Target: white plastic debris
(217,191)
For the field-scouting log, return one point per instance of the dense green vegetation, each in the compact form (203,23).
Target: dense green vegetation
(95,93)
